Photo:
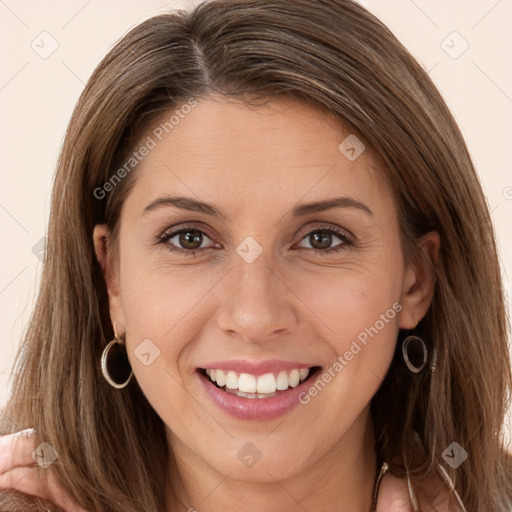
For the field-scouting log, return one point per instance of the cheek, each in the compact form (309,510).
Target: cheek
(166,308)
(155,294)
(359,307)
(359,315)
(357,296)
(161,311)
(163,307)
(359,312)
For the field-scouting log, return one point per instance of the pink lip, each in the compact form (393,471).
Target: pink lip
(255,409)
(256,368)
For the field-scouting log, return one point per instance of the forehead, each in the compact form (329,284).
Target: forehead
(239,155)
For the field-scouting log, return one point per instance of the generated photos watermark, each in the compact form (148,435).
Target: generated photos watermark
(342,361)
(150,143)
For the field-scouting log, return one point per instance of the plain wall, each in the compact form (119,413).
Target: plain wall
(38,92)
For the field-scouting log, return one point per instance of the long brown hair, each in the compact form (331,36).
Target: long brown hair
(113,453)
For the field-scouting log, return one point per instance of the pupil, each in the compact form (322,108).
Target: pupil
(186,239)
(323,237)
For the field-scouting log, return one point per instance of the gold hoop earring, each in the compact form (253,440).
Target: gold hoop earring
(405,352)
(114,361)
(410,365)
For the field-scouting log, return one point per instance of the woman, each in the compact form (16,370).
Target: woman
(271,282)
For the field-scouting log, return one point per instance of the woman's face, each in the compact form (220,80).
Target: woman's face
(258,276)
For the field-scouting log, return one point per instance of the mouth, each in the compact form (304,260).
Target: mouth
(258,387)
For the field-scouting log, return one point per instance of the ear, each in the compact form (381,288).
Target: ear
(110,273)
(419,281)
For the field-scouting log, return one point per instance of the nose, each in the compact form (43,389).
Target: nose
(259,306)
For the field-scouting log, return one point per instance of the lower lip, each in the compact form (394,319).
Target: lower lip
(255,408)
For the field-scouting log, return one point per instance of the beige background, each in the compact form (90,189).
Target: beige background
(38,92)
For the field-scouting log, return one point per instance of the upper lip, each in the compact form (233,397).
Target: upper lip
(256,368)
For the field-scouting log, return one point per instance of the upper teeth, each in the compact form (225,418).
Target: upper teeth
(267,383)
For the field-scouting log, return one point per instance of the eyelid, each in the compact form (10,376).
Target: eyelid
(201,227)
(174,230)
(321,226)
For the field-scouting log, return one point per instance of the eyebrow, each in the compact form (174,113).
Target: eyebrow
(187,203)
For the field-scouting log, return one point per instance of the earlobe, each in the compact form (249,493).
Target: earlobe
(419,281)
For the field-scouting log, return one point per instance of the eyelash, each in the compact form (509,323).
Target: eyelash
(348,240)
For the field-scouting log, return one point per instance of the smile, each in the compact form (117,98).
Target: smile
(256,391)
(247,385)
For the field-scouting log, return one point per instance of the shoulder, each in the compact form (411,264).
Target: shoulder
(435,496)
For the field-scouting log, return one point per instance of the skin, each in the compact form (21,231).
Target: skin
(256,165)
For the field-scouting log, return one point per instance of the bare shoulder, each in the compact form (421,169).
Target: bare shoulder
(435,495)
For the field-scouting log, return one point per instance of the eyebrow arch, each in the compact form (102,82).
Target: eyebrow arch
(336,202)
(187,203)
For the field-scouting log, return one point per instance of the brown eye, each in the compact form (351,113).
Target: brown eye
(185,240)
(190,239)
(320,240)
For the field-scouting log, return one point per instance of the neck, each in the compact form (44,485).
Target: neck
(342,478)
